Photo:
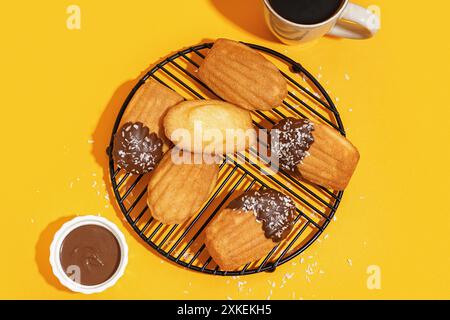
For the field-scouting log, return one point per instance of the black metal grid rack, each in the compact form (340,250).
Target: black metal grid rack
(183,244)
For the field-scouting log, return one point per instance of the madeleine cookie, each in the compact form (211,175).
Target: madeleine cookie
(249,227)
(209,126)
(176,191)
(240,75)
(140,142)
(149,105)
(315,151)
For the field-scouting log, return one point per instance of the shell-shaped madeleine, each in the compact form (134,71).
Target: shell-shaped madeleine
(209,126)
(149,105)
(332,159)
(235,238)
(176,190)
(241,75)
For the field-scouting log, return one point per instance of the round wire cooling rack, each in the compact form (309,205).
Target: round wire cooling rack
(184,244)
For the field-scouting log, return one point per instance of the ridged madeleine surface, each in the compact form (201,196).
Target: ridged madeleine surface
(235,238)
(209,126)
(149,105)
(176,191)
(241,75)
(332,159)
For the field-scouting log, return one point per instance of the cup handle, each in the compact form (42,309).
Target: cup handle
(356,22)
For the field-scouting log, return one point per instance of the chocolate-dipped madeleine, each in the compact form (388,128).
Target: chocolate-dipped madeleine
(140,142)
(149,106)
(314,151)
(250,226)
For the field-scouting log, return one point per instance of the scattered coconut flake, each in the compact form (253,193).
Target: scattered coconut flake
(241,285)
(350,262)
(289,275)
(309,270)
(347,76)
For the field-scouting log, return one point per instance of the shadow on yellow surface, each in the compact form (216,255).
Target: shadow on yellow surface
(247,14)
(43,253)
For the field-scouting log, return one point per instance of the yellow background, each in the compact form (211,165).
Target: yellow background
(61,89)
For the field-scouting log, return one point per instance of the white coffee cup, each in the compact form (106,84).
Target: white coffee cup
(350,21)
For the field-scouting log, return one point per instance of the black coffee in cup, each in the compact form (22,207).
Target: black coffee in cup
(306,11)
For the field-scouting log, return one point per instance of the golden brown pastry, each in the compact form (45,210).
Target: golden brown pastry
(250,226)
(209,126)
(139,142)
(240,75)
(315,151)
(176,191)
(149,105)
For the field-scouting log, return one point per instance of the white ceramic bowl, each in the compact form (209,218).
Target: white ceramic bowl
(61,234)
